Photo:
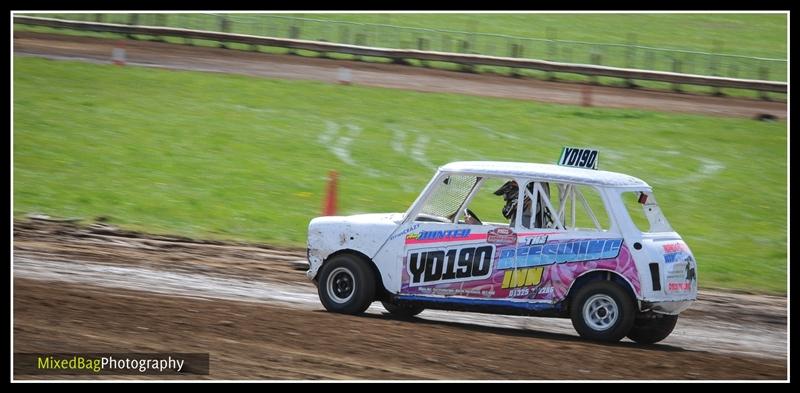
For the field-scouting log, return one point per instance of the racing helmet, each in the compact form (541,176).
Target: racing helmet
(510,193)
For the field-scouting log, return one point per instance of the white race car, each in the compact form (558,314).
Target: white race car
(576,242)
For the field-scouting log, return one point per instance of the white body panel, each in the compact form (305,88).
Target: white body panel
(364,233)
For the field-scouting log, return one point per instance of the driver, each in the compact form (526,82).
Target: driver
(510,193)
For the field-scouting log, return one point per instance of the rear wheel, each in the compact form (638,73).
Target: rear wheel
(652,330)
(603,311)
(402,310)
(346,285)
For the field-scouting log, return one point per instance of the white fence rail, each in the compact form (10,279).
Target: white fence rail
(400,54)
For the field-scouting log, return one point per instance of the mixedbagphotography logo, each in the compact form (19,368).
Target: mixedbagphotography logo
(111,363)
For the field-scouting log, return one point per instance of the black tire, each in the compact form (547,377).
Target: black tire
(652,330)
(602,311)
(402,310)
(346,285)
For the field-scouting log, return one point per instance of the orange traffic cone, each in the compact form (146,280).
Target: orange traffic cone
(329,207)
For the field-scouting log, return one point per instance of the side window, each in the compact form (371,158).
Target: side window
(565,206)
(645,212)
(493,203)
(540,206)
(584,209)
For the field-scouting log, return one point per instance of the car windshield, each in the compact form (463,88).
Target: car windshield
(448,197)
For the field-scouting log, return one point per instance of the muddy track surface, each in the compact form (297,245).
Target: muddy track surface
(174,56)
(98,289)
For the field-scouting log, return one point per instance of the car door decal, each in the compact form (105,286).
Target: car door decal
(536,268)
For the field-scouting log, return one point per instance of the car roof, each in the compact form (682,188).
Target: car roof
(544,172)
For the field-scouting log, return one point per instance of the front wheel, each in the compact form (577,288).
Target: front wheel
(346,285)
(603,311)
(402,310)
(652,330)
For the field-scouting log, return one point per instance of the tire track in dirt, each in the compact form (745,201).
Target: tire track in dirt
(109,260)
(248,340)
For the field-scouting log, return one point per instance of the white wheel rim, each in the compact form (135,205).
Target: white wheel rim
(600,312)
(341,285)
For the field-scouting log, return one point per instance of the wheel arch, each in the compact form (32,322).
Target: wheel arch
(599,275)
(380,291)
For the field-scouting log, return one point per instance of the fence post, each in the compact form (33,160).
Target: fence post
(398,60)
(224,26)
(159,20)
(649,59)
(423,44)
(630,57)
(133,19)
(567,55)
(344,34)
(551,49)
(180,18)
(98,18)
(596,59)
(733,71)
(714,66)
(763,74)
(676,68)
(473,27)
(294,33)
(516,52)
(361,40)
(259,31)
(464,47)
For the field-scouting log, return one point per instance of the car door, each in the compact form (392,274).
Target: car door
(456,257)
(572,236)
(447,259)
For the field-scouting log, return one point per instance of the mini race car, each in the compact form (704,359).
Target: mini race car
(567,241)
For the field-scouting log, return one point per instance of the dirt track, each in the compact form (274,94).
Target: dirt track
(99,290)
(382,75)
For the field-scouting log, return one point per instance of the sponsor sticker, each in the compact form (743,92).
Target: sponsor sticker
(433,236)
(676,252)
(501,236)
(522,277)
(559,252)
(405,232)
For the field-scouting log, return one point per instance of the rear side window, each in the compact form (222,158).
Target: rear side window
(584,210)
(645,212)
(566,206)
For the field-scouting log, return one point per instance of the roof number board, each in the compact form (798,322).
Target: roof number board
(578,157)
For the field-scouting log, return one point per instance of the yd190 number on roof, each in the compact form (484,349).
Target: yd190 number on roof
(578,157)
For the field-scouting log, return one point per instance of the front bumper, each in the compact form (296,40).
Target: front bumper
(314,263)
(672,307)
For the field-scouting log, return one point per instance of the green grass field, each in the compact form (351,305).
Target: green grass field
(235,157)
